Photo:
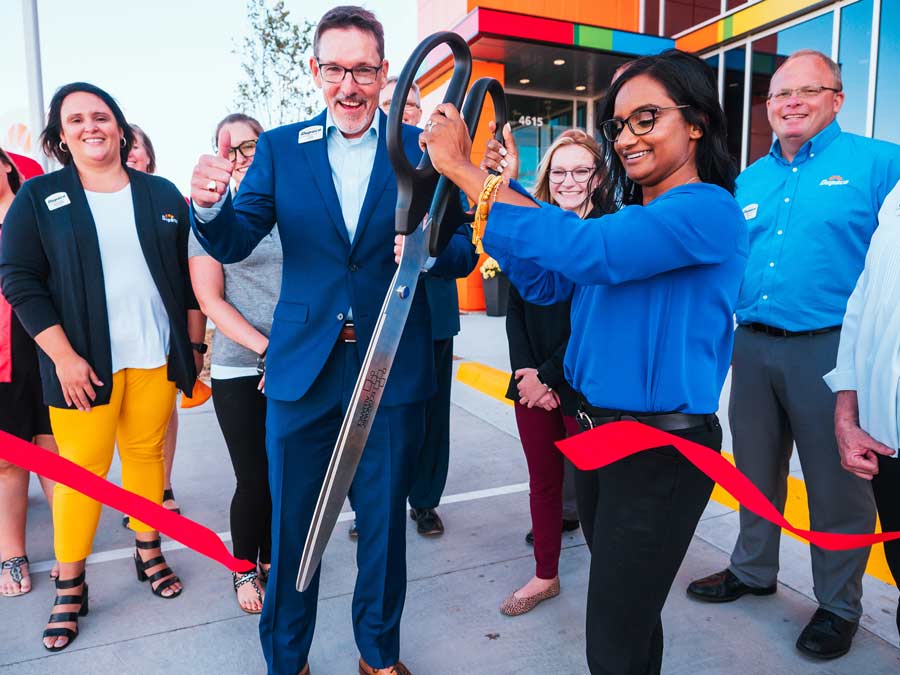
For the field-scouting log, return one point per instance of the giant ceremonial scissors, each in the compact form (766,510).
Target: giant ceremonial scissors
(419,191)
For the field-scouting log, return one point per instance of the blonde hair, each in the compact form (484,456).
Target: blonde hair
(570,137)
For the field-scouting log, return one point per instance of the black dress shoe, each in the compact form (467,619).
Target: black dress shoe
(353,533)
(428,522)
(724,586)
(827,636)
(567,526)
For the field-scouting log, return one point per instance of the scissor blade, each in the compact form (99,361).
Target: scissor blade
(364,403)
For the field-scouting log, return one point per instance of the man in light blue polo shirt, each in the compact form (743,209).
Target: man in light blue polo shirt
(811,206)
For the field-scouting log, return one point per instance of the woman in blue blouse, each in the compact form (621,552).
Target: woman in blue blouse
(654,285)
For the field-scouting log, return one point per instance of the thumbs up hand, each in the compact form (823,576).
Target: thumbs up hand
(212,174)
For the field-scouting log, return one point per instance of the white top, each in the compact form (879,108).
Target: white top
(138,322)
(868,360)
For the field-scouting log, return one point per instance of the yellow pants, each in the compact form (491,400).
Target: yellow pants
(136,419)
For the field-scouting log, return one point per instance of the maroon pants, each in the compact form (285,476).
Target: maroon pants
(539,430)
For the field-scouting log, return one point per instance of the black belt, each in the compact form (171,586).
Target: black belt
(348,333)
(781,332)
(589,417)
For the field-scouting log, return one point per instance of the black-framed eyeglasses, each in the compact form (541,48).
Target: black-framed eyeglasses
(580,174)
(247,150)
(640,122)
(809,91)
(335,74)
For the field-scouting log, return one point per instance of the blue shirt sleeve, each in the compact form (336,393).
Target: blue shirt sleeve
(637,242)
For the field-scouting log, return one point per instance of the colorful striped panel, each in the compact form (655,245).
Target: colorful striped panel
(741,22)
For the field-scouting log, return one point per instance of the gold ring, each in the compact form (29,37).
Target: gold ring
(212,186)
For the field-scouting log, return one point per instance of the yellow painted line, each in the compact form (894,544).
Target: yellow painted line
(493,382)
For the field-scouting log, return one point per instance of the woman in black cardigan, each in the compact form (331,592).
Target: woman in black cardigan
(545,404)
(94,263)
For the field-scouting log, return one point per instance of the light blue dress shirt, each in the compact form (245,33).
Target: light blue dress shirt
(810,221)
(868,360)
(351,162)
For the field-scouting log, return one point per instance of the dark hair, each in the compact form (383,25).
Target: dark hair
(350,16)
(233,118)
(148,147)
(51,135)
(15,178)
(688,80)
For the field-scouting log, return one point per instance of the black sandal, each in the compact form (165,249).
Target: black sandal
(14,565)
(167,495)
(67,616)
(250,577)
(142,566)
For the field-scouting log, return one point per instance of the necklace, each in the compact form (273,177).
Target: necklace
(695,179)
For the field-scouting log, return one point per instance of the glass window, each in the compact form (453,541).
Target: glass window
(733,100)
(651,17)
(769,53)
(853,55)
(887,94)
(713,62)
(581,116)
(536,123)
(684,14)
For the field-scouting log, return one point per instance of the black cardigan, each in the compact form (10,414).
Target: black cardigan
(51,271)
(538,336)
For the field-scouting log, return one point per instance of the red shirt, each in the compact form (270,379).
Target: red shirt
(26,166)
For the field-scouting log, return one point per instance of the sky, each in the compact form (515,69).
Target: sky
(168,63)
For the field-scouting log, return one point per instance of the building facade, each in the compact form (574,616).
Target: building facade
(555,60)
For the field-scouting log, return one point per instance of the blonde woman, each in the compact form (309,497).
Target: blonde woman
(545,404)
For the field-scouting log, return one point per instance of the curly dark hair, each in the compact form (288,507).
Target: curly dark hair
(690,81)
(14,177)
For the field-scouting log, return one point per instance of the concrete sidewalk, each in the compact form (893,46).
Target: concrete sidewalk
(456,582)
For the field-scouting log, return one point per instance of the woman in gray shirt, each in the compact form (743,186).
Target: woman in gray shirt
(240,299)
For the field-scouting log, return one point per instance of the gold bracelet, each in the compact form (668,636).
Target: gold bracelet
(488,190)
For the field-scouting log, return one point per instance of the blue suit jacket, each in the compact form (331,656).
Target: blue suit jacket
(324,272)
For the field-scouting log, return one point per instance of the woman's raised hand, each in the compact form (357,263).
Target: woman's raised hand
(446,138)
(502,157)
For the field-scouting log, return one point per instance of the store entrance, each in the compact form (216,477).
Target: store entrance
(538,121)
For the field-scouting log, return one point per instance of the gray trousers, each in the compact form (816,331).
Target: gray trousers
(778,398)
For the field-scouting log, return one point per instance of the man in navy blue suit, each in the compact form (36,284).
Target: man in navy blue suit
(329,185)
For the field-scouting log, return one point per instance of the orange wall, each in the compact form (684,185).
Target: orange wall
(621,14)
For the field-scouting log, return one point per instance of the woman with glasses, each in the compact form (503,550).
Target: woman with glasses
(569,177)
(240,299)
(94,262)
(653,284)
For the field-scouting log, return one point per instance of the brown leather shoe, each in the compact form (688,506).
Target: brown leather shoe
(305,670)
(396,669)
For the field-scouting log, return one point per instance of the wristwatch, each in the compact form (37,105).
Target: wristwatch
(261,362)
(200,347)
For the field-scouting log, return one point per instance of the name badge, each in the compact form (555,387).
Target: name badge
(750,211)
(310,134)
(57,200)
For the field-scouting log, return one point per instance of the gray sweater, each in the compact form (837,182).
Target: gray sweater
(252,287)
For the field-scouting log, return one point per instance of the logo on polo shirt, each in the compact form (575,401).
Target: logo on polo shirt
(834,180)
(169,218)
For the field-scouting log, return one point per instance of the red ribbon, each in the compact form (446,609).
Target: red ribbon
(193,535)
(609,443)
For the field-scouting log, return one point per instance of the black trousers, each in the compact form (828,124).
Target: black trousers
(241,410)
(886,486)
(638,516)
(430,475)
